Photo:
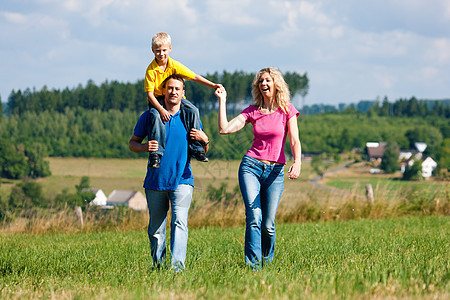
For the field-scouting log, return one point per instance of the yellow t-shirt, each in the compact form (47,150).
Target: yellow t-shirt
(154,76)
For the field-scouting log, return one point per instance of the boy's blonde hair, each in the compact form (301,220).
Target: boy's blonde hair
(282,95)
(161,39)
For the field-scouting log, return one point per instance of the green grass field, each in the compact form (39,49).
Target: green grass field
(398,258)
(128,174)
(402,258)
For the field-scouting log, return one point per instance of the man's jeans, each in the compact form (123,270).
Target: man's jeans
(158,206)
(190,116)
(261,187)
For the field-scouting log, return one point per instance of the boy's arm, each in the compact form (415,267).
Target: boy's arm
(204,81)
(165,116)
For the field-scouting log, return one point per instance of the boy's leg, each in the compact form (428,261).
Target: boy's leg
(157,132)
(191,119)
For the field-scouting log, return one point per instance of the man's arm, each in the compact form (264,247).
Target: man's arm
(135,144)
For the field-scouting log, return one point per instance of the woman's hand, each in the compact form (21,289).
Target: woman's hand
(221,93)
(295,169)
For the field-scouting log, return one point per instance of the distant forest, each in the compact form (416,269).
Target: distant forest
(129,96)
(98,121)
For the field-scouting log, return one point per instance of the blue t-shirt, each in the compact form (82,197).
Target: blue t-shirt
(175,166)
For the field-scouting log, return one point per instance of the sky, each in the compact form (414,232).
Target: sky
(351,50)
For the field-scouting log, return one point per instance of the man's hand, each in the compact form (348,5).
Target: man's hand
(135,144)
(165,116)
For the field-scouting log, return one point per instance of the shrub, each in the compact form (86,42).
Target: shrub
(413,172)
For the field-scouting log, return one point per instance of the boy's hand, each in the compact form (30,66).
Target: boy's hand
(198,135)
(165,116)
(217,86)
(150,146)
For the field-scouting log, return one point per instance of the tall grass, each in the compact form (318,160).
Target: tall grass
(223,207)
(396,258)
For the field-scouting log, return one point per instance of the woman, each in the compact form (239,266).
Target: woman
(262,168)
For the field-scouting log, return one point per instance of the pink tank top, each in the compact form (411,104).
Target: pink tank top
(269,132)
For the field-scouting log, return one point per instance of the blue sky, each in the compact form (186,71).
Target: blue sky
(351,49)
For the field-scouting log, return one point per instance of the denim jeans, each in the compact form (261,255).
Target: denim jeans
(190,116)
(158,206)
(261,187)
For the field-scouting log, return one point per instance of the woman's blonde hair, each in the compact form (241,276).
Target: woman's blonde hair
(161,39)
(282,94)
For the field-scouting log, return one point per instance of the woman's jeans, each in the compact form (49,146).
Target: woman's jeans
(261,187)
(158,206)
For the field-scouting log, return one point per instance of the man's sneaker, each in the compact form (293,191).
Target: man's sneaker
(201,156)
(154,160)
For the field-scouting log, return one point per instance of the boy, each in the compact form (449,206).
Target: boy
(158,70)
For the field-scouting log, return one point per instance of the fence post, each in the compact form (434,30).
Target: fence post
(369,193)
(79,214)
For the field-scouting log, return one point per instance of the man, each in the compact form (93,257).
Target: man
(173,181)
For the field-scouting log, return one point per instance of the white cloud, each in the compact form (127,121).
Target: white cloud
(233,12)
(351,50)
(439,51)
(16,18)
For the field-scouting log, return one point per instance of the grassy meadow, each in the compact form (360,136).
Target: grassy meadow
(331,243)
(399,258)
(217,200)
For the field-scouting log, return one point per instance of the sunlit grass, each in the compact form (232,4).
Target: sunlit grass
(398,258)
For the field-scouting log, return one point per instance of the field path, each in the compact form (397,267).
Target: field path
(315,182)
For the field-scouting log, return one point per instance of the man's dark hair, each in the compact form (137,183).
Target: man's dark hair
(173,76)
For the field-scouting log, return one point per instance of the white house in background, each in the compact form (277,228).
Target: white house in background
(132,199)
(375,151)
(428,166)
(100,197)
(405,155)
(420,147)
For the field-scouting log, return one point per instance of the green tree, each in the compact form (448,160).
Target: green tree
(38,167)
(13,164)
(389,162)
(426,134)
(85,183)
(25,195)
(413,172)
(319,164)
(443,156)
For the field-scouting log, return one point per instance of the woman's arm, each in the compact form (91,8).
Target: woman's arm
(296,148)
(235,124)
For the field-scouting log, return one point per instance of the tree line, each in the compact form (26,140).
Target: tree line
(131,96)
(412,107)
(80,132)
(37,124)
